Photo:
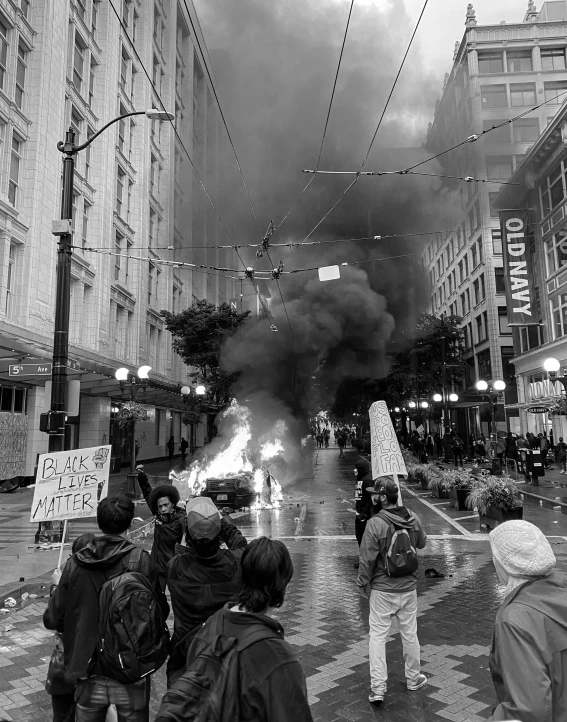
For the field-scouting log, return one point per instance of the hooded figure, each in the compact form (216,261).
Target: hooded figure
(528,661)
(202,576)
(169,526)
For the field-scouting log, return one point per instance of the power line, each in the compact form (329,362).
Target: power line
(467,179)
(276,278)
(355,181)
(474,137)
(163,261)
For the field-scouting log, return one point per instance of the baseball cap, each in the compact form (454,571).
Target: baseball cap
(384,485)
(203,518)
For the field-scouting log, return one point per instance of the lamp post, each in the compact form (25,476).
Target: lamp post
(191,397)
(53,422)
(552,366)
(133,383)
(493,392)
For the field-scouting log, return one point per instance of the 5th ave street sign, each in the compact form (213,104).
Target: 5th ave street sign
(30,370)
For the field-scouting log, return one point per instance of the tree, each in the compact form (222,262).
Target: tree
(198,334)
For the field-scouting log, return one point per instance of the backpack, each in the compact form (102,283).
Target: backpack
(401,556)
(133,639)
(209,689)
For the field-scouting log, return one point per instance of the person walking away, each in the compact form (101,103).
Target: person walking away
(363,499)
(183,446)
(319,439)
(458,448)
(429,446)
(102,667)
(341,441)
(388,577)
(170,447)
(501,449)
(529,646)
(561,455)
(270,685)
(326,437)
(202,577)
(62,692)
(439,444)
(488,447)
(511,451)
(169,527)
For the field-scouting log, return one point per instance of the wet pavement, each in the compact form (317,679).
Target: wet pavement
(325,619)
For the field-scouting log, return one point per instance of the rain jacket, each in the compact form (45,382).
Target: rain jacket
(371,572)
(199,586)
(528,661)
(73,608)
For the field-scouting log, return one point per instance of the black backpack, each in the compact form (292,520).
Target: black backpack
(400,559)
(209,689)
(133,639)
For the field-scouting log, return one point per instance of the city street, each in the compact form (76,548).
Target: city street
(324,617)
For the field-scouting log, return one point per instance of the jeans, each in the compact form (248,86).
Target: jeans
(95,696)
(382,608)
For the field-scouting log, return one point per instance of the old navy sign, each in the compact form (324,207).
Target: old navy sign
(518,271)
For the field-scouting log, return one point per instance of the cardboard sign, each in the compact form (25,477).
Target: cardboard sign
(387,457)
(70,484)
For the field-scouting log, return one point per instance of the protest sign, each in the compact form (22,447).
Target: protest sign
(70,484)
(387,457)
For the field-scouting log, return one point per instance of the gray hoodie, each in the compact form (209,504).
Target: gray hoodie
(371,572)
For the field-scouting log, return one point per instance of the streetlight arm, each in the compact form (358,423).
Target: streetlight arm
(76,148)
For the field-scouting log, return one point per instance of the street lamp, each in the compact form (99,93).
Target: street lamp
(437,398)
(133,383)
(493,393)
(191,395)
(552,366)
(53,422)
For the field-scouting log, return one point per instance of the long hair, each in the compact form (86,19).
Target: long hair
(267,569)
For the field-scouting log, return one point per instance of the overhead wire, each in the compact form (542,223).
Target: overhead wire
(467,179)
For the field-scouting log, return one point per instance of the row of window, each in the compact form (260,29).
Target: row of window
(476,257)
(553,189)
(518,95)
(520,61)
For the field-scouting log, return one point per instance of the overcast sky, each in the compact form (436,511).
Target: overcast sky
(444,22)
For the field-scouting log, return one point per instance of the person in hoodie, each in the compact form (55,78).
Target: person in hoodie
(73,612)
(168,529)
(363,500)
(528,661)
(271,681)
(390,596)
(202,576)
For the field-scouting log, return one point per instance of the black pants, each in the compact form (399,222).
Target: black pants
(458,454)
(63,707)
(359,527)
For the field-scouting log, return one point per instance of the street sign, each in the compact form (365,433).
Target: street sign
(30,370)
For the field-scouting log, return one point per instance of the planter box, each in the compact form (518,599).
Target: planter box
(458,498)
(494,516)
(424,485)
(440,493)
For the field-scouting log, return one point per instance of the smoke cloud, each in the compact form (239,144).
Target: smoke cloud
(275,64)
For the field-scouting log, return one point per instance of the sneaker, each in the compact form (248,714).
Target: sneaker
(421,682)
(376,697)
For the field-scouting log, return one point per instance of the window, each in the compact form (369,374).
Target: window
(490,63)
(496,242)
(80,9)
(133,82)
(499,167)
(134,25)
(25,6)
(152,229)
(526,130)
(555,92)
(498,135)
(10,279)
(131,139)
(120,180)
(151,272)
(461,273)
(176,300)
(158,28)
(559,315)
(466,265)
(154,176)
(124,62)
(493,96)
(15,161)
(480,334)
(552,189)
(118,247)
(129,201)
(476,287)
(126,10)
(78,64)
(519,61)
(90,133)
(94,16)
(74,210)
(530,337)
(121,129)
(465,301)
(484,364)
(553,59)
(503,321)
(482,288)
(492,200)
(555,252)
(85,229)
(155,73)
(3,53)
(92,72)
(20,76)
(522,94)
(499,280)
(474,257)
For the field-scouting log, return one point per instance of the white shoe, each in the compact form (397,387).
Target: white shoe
(421,682)
(561,472)
(374,697)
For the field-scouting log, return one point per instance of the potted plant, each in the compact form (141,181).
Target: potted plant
(461,485)
(496,498)
(417,474)
(439,482)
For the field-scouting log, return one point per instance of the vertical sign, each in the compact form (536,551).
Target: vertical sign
(518,271)
(70,484)
(387,457)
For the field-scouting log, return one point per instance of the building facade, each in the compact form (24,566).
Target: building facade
(498,72)
(136,203)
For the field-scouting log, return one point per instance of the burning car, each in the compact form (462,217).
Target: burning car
(235,491)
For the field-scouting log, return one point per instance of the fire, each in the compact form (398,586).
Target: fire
(237,457)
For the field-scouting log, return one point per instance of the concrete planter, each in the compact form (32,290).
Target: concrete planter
(458,498)
(494,516)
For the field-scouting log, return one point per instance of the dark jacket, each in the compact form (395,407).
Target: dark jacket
(73,608)
(167,531)
(363,498)
(528,661)
(272,682)
(371,572)
(199,587)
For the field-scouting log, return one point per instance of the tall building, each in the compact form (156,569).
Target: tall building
(498,72)
(79,64)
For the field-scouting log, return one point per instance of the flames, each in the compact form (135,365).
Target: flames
(241,454)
